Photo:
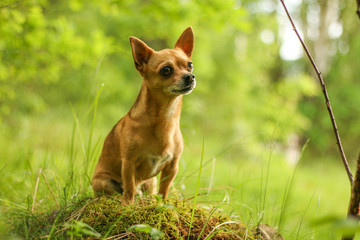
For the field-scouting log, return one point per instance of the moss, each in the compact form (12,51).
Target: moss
(109,216)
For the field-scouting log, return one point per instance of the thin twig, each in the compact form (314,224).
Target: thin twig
(327,101)
(358,8)
(229,222)
(35,191)
(51,191)
(120,236)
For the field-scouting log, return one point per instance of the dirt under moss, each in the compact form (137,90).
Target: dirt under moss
(148,217)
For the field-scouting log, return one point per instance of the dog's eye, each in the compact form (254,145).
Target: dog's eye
(166,71)
(190,65)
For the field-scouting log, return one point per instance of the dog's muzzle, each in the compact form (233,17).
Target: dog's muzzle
(187,84)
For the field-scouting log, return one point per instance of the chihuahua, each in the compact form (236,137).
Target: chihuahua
(148,140)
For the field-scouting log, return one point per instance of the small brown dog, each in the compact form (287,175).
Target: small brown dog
(148,140)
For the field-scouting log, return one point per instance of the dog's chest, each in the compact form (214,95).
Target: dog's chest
(153,164)
(157,162)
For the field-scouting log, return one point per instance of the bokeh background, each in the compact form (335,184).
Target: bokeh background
(67,76)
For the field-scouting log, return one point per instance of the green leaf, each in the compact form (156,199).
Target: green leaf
(163,207)
(79,229)
(158,198)
(347,227)
(153,232)
(140,228)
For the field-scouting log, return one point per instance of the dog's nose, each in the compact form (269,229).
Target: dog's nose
(189,78)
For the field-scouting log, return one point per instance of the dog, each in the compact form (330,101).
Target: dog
(148,140)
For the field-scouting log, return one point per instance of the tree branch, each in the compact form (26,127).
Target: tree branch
(327,101)
(355,193)
(353,211)
(358,8)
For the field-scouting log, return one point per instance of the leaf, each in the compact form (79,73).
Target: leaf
(153,232)
(347,227)
(140,228)
(79,229)
(158,198)
(326,220)
(163,207)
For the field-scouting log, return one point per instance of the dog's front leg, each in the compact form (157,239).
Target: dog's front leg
(167,177)
(128,179)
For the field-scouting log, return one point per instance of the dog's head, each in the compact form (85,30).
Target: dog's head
(170,70)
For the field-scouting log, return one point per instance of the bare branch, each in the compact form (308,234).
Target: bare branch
(327,101)
(355,193)
(353,211)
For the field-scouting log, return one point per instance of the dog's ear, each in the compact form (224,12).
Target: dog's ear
(141,53)
(186,41)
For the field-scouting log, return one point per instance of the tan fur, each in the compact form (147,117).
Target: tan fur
(148,140)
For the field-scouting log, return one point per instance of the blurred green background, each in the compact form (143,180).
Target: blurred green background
(67,76)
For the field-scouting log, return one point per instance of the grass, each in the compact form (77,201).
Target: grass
(233,188)
(237,190)
(108,217)
(197,189)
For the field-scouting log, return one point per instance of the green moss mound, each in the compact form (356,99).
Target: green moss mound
(148,217)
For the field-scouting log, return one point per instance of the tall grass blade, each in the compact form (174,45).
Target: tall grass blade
(303,216)
(222,152)
(70,180)
(77,123)
(72,153)
(212,175)
(28,162)
(50,189)
(215,230)
(197,187)
(12,203)
(94,107)
(26,229)
(112,227)
(206,223)
(264,186)
(96,152)
(35,191)
(288,188)
(54,226)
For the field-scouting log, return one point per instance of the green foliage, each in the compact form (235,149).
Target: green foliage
(57,56)
(80,229)
(110,217)
(153,232)
(342,227)
(41,48)
(343,91)
(54,53)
